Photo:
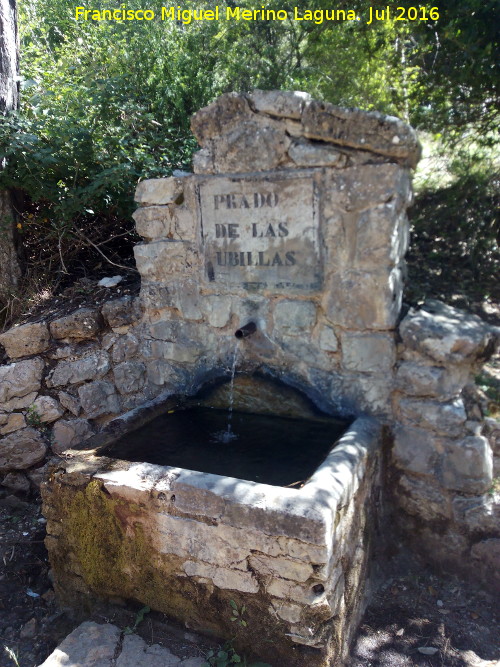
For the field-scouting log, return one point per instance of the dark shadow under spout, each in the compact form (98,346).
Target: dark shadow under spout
(246,330)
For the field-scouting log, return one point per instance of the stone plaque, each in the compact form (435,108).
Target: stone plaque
(261,233)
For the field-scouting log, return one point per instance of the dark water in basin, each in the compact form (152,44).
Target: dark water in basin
(271,450)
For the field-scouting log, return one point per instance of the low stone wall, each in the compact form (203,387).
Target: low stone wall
(66,378)
(445,461)
(293,563)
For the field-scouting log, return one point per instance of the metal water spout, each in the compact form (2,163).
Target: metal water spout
(247,330)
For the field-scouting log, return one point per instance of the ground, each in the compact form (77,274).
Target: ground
(417,617)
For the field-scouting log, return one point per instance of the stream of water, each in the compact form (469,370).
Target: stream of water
(228,435)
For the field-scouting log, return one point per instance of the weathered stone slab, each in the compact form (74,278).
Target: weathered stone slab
(14,422)
(367,130)
(21,450)
(294,317)
(261,233)
(220,117)
(305,154)
(90,645)
(418,380)
(25,340)
(136,653)
(282,103)
(159,191)
(368,353)
(121,312)
(18,379)
(94,365)
(69,433)
(17,482)
(447,334)
(468,465)
(364,300)
(416,449)
(83,323)
(98,398)
(445,418)
(163,260)
(129,376)
(47,408)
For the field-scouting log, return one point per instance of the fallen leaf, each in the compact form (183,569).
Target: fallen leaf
(444,611)
(400,632)
(427,650)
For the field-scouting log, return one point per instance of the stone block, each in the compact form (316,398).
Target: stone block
(19,403)
(121,312)
(480,515)
(362,300)
(382,236)
(159,191)
(47,408)
(294,318)
(217,309)
(21,450)
(98,398)
(178,352)
(90,645)
(16,482)
(129,376)
(82,324)
(306,154)
(421,498)
(357,189)
(416,450)
(281,567)
(220,117)
(70,433)
(448,335)
(251,146)
(366,130)
(281,103)
(14,422)
(224,578)
(368,353)
(25,340)
(327,339)
(19,379)
(445,418)
(164,260)
(203,162)
(125,348)
(94,365)
(417,379)
(69,402)
(468,465)
(135,652)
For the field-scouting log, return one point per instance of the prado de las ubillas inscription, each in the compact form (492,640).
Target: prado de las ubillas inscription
(261,234)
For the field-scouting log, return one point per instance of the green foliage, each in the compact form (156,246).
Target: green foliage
(237,614)
(225,656)
(138,619)
(34,419)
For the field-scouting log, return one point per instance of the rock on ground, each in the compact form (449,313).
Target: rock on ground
(105,645)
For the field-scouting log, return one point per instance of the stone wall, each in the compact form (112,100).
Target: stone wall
(63,381)
(444,460)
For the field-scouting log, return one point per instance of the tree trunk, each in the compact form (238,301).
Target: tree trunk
(10,270)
